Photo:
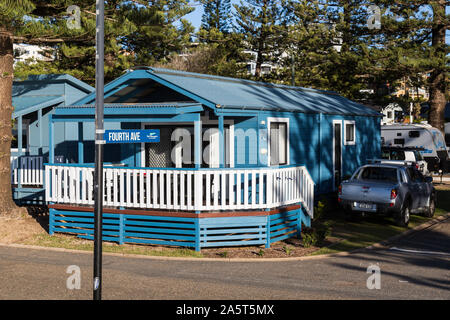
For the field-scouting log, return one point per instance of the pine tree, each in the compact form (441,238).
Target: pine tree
(412,42)
(12,22)
(155,35)
(129,38)
(263,26)
(216,15)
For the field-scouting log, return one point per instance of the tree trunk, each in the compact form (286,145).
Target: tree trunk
(437,81)
(7,205)
(259,59)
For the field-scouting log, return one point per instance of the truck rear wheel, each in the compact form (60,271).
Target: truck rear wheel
(402,218)
(429,212)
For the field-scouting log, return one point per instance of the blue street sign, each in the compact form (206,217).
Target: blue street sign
(132,136)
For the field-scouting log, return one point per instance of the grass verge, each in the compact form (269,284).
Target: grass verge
(71,242)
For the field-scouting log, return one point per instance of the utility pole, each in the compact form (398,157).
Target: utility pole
(411,113)
(99,142)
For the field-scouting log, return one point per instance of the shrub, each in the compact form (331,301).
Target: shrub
(287,250)
(315,235)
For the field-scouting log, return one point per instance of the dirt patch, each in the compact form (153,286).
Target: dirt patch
(282,249)
(18,229)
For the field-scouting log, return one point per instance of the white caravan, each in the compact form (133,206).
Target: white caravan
(419,136)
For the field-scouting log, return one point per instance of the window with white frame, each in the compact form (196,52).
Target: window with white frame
(279,143)
(350,132)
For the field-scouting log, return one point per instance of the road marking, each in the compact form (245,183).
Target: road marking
(420,251)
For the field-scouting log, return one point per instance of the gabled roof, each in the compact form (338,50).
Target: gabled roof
(27,104)
(56,78)
(42,91)
(231,93)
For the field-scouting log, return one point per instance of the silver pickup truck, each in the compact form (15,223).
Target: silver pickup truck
(388,188)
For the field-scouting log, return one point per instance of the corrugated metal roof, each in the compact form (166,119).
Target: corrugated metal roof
(26,104)
(136,109)
(231,93)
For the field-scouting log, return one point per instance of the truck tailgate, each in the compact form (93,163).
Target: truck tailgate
(367,191)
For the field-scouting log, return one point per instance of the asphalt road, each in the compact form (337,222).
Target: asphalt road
(417,268)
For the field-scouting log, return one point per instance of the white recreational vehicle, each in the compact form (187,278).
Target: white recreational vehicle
(419,136)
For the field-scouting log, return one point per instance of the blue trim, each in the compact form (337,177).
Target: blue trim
(117,89)
(91,165)
(19,135)
(51,143)
(198,144)
(222,159)
(148,118)
(41,131)
(138,110)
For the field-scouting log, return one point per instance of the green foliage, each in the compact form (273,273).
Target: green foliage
(316,235)
(325,45)
(320,228)
(260,252)
(136,33)
(287,250)
(216,15)
(263,26)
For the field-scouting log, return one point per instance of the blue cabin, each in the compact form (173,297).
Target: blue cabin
(236,162)
(34,100)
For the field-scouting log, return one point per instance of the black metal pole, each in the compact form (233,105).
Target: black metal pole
(99,142)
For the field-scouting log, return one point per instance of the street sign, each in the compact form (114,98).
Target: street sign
(132,136)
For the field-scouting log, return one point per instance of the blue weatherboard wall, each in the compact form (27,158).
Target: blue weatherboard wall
(188,96)
(311,143)
(34,100)
(45,92)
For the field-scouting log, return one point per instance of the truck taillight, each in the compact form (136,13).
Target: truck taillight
(393,193)
(417,166)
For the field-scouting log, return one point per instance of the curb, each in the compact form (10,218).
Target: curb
(380,245)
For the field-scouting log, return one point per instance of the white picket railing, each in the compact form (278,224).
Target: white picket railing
(29,170)
(193,190)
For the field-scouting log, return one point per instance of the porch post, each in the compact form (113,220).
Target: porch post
(19,135)
(41,132)
(222,160)
(19,153)
(197,143)
(51,147)
(80,143)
